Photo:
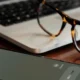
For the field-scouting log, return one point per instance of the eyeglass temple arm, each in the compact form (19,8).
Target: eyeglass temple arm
(55,9)
(61,13)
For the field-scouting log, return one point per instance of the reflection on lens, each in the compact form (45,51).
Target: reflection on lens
(51,22)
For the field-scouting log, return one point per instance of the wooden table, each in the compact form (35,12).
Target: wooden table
(67,53)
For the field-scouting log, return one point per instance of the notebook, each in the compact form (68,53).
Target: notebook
(19,66)
(18,24)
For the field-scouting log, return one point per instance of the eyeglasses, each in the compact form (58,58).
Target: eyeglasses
(49,25)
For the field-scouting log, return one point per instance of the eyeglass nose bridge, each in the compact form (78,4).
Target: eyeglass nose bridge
(69,20)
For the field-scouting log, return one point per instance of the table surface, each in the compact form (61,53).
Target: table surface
(67,53)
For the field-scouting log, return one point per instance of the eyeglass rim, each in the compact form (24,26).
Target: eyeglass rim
(73,33)
(65,19)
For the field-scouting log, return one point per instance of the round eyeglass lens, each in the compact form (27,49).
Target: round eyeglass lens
(49,19)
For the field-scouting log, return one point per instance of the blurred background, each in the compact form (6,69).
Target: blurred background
(63,4)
